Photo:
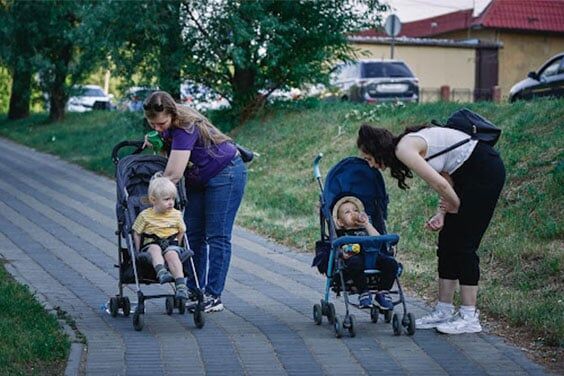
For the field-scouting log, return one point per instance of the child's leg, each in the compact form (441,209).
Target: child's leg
(158,263)
(156,256)
(174,264)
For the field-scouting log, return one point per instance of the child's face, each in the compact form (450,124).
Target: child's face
(347,215)
(163,204)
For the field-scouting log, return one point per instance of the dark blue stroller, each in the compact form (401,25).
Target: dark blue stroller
(353,177)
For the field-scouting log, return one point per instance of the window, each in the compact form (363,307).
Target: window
(551,69)
(385,69)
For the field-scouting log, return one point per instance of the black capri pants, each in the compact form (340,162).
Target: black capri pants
(478,183)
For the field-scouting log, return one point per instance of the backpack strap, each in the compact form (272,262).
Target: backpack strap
(451,147)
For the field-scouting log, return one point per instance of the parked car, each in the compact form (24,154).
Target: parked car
(134,98)
(201,97)
(374,81)
(548,81)
(87,98)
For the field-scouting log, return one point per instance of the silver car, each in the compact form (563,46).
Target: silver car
(374,81)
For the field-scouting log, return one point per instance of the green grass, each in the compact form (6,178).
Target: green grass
(522,253)
(32,342)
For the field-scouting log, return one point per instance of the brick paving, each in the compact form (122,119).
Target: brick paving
(57,233)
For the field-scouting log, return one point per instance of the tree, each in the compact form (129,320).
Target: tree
(18,33)
(142,39)
(44,37)
(244,47)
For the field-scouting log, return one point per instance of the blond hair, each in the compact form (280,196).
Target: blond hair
(183,117)
(160,186)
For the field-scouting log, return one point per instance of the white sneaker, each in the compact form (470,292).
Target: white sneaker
(433,319)
(462,324)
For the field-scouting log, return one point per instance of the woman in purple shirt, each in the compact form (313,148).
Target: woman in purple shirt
(215,179)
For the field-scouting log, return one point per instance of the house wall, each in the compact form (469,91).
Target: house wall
(520,54)
(434,66)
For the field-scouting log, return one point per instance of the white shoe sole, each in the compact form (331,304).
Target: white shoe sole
(216,308)
(453,331)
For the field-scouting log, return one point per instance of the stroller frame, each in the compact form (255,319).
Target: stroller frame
(371,246)
(119,301)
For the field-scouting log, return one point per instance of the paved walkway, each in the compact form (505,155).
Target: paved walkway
(57,224)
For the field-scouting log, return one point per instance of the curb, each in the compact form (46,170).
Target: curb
(75,358)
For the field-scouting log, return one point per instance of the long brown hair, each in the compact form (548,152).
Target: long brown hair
(381,144)
(183,117)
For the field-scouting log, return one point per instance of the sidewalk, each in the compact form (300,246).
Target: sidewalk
(57,224)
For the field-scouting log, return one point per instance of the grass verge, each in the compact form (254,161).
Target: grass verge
(32,342)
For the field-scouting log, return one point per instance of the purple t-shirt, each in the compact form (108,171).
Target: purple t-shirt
(206,162)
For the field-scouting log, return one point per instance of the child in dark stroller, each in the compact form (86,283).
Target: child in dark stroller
(159,230)
(351,220)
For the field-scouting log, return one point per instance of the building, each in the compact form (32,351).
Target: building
(526,32)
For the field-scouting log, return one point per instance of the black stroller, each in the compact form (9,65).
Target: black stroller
(353,177)
(133,174)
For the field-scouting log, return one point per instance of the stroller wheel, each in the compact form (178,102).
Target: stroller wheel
(396,324)
(331,315)
(410,324)
(338,327)
(374,314)
(388,315)
(352,325)
(181,306)
(114,306)
(317,314)
(199,319)
(138,321)
(169,305)
(126,306)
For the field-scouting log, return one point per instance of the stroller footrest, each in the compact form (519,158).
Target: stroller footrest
(372,271)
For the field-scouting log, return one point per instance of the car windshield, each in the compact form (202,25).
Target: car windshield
(385,69)
(88,92)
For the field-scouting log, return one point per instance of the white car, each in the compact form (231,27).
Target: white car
(201,97)
(87,98)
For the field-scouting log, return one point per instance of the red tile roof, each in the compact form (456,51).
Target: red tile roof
(532,15)
(537,15)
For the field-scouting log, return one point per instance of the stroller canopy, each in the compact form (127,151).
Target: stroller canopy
(353,177)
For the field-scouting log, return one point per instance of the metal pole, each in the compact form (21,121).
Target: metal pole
(393,36)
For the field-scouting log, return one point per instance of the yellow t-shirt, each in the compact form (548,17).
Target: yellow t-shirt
(162,225)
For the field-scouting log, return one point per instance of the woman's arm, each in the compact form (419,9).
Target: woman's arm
(409,152)
(177,162)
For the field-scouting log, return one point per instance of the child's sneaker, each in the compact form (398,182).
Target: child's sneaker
(164,276)
(364,300)
(384,301)
(433,319)
(212,303)
(462,324)
(181,291)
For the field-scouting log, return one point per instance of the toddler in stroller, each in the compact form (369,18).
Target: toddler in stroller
(351,185)
(351,220)
(159,230)
(134,174)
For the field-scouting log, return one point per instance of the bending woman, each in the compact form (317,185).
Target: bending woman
(468,180)
(215,179)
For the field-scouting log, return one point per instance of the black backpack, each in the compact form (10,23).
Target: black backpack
(471,123)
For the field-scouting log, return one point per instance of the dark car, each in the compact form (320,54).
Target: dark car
(548,81)
(374,81)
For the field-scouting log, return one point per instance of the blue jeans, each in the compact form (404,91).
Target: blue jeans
(209,218)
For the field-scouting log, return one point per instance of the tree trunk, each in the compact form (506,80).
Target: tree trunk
(57,95)
(21,92)
(246,100)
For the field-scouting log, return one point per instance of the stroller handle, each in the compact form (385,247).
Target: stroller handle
(316,173)
(367,241)
(123,144)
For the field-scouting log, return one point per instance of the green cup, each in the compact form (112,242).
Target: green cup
(156,140)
